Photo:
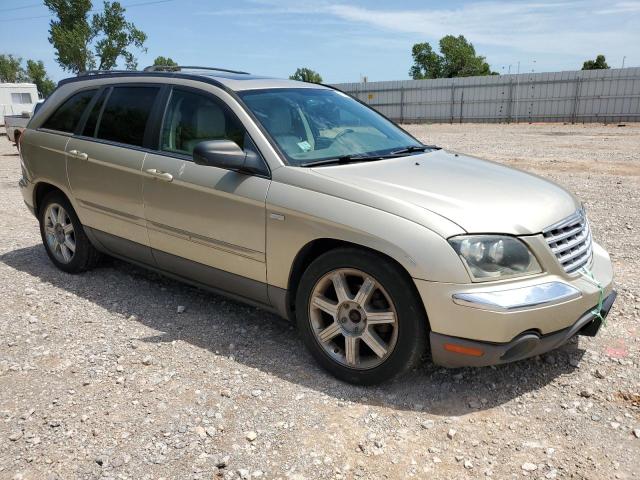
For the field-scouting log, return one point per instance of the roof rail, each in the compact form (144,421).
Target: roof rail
(176,68)
(103,72)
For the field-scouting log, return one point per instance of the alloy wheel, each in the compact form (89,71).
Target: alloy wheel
(59,233)
(353,318)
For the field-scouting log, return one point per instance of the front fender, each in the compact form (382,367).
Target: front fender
(297,216)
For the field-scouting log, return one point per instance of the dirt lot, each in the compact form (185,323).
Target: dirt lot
(100,377)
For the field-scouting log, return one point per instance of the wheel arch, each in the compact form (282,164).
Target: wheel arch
(41,190)
(319,246)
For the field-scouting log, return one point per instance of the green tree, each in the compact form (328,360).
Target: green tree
(426,62)
(11,69)
(457,58)
(306,75)
(600,63)
(38,75)
(117,36)
(70,33)
(166,62)
(82,43)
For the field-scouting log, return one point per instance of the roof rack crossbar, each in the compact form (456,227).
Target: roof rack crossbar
(175,68)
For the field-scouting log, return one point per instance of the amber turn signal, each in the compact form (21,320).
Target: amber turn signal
(474,352)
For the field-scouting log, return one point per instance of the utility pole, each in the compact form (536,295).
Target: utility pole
(623,59)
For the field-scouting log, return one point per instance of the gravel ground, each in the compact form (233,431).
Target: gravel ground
(100,377)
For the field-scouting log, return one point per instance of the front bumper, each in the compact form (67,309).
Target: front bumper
(542,311)
(458,352)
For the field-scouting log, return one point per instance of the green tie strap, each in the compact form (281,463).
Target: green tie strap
(597,312)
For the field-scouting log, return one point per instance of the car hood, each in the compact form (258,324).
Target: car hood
(478,195)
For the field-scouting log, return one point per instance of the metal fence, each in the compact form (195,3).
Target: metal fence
(576,96)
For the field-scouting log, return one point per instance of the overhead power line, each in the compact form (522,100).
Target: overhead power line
(24,18)
(139,4)
(32,5)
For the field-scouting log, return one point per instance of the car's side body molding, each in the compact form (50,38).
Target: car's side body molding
(203,276)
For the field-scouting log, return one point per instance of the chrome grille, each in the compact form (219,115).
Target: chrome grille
(570,241)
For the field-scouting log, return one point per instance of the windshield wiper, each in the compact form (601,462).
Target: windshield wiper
(343,160)
(369,158)
(415,148)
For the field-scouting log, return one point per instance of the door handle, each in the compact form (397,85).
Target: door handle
(78,154)
(167,177)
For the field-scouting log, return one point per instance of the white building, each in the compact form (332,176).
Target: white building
(16,98)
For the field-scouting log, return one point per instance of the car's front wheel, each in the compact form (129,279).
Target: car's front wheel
(64,237)
(360,316)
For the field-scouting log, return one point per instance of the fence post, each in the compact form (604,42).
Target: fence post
(518,93)
(576,101)
(453,101)
(402,104)
(510,100)
(461,103)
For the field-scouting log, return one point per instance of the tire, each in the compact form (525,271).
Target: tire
(378,338)
(83,256)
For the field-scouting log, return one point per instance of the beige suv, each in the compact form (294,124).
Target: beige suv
(303,201)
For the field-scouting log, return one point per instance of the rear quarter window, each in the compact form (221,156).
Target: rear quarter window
(67,116)
(125,116)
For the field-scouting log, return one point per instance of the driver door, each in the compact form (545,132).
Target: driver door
(204,222)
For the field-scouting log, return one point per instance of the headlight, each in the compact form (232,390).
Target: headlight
(492,257)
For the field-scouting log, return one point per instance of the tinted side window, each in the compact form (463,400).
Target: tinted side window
(66,117)
(92,121)
(125,115)
(192,118)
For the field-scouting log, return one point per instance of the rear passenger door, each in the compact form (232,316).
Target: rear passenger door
(46,145)
(104,164)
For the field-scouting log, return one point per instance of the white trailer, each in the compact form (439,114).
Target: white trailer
(16,99)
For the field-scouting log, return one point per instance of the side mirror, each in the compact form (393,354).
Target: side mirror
(219,153)
(228,155)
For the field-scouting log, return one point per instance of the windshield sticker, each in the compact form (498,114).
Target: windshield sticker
(304,146)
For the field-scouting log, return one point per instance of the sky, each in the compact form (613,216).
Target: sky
(347,39)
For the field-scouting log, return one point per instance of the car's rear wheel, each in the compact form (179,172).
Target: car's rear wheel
(360,317)
(64,237)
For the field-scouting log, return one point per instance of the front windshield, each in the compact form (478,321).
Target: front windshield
(311,124)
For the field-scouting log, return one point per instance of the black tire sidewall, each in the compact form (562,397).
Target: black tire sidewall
(82,257)
(412,321)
